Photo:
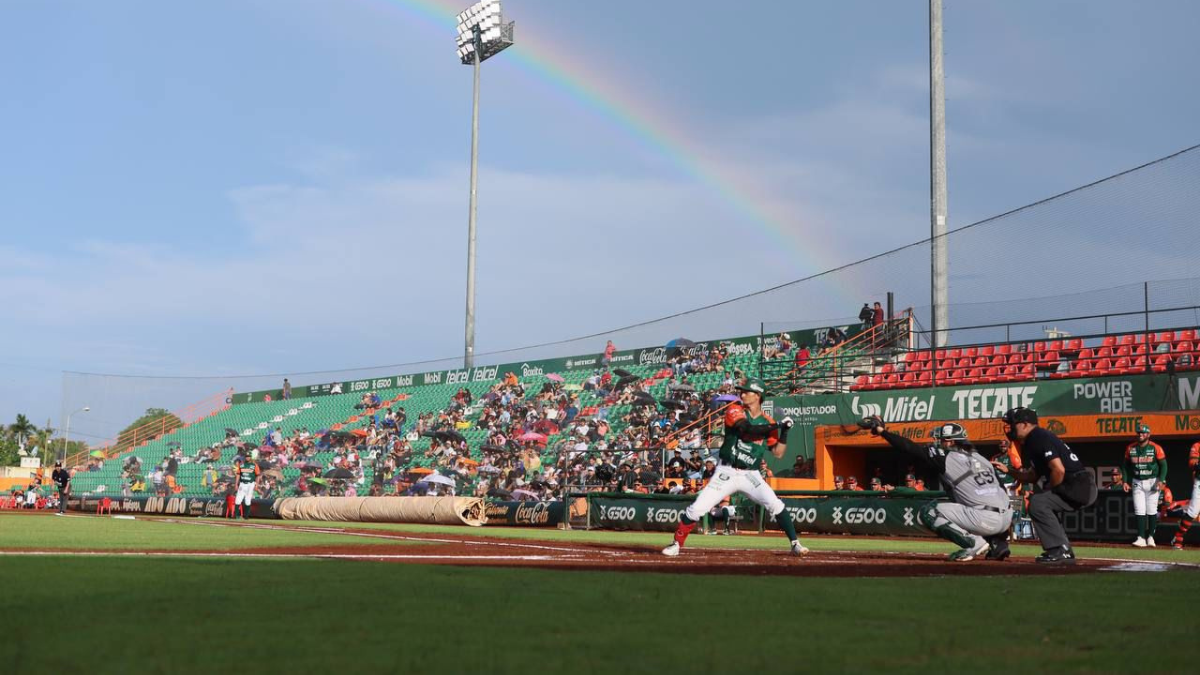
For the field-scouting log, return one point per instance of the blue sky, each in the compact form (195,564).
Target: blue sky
(269,186)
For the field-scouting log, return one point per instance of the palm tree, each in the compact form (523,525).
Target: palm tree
(22,429)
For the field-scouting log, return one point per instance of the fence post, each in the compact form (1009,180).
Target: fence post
(1146,337)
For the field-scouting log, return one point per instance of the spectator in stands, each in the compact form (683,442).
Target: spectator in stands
(287,389)
(833,337)
(803,356)
(839,483)
(675,465)
(852,484)
(867,316)
(609,350)
(877,315)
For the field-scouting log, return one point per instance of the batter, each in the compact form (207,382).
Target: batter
(749,434)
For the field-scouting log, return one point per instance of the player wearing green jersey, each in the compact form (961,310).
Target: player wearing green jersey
(749,435)
(1144,470)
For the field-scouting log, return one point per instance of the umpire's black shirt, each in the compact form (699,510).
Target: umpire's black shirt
(1041,446)
(61,478)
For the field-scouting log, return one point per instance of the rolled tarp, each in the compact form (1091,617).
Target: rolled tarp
(427,510)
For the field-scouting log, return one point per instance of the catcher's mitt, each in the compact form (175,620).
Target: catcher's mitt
(870,422)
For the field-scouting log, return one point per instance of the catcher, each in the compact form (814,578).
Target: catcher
(980,506)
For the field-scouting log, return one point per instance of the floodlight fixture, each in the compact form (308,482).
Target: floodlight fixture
(482,29)
(482,33)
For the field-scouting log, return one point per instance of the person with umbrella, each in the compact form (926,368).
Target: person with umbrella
(749,434)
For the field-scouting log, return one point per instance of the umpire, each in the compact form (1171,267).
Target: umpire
(62,478)
(1068,485)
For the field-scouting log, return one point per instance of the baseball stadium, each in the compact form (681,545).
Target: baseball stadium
(989,465)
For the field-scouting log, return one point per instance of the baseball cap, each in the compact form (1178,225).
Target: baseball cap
(1143,429)
(1020,415)
(753,384)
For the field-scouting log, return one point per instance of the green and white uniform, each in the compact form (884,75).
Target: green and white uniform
(1145,469)
(247,474)
(737,470)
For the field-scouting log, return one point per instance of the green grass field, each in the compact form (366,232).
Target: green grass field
(183,615)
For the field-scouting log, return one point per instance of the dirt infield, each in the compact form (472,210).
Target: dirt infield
(469,550)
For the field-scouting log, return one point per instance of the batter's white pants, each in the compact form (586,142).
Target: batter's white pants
(1193,507)
(1145,496)
(727,480)
(244,494)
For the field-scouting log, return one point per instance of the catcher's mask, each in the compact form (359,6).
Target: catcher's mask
(952,432)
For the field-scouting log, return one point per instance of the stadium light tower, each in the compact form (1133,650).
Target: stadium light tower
(940,261)
(482,33)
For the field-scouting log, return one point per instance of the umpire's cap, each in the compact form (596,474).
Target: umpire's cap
(1018,415)
(755,385)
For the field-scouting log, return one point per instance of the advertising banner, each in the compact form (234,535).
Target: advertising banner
(528,514)
(213,507)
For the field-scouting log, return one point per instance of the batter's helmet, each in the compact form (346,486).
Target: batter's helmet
(755,385)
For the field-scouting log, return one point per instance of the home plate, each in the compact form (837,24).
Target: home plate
(1137,567)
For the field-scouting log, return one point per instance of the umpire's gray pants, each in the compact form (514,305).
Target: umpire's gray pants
(974,522)
(1044,508)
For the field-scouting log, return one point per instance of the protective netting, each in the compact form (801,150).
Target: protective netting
(1109,250)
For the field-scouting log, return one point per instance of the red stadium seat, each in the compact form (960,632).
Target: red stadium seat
(1004,350)
(1101,367)
(1028,372)
(954,354)
(1109,341)
(1054,346)
(1160,363)
(925,356)
(925,378)
(1123,351)
(987,350)
(1073,345)
(1189,334)
(1165,336)
(887,369)
(1121,366)
(860,382)
(1126,340)
(991,374)
(970,352)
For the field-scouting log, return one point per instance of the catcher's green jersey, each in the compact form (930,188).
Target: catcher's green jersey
(1141,461)
(744,453)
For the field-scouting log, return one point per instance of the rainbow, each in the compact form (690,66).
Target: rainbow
(603,96)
